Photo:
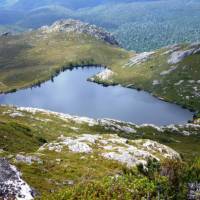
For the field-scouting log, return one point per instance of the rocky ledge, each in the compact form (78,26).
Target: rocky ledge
(77,26)
(11,184)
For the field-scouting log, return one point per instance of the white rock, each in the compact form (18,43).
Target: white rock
(113,124)
(12,184)
(110,123)
(42,120)
(71,25)
(105,75)
(178,56)
(124,158)
(27,159)
(186,133)
(172,128)
(74,128)
(62,116)
(57,147)
(108,147)
(179,83)
(164,150)
(191,81)
(160,129)
(139,58)
(171,49)
(89,138)
(156,82)
(75,145)
(166,72)
(16,114)
(114,147)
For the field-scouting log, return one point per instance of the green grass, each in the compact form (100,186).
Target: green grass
(187,146)
(33,58)
(142,75)
(25,134)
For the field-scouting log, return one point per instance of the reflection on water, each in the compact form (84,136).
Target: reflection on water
(71,93)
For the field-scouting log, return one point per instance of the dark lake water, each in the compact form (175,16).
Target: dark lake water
(71,93)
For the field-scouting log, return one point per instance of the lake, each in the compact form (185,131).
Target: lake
(71,93)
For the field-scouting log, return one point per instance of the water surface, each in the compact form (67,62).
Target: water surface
(71,93)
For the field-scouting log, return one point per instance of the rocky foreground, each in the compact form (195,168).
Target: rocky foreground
(54,150)
(11,184)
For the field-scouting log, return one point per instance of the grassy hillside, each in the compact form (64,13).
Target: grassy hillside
(33,57)
(64,157)
(171,73)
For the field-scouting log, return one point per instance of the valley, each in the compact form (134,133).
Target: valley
(42,54)
(71,93)
(96,103)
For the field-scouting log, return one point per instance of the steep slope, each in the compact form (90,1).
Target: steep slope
(55,151)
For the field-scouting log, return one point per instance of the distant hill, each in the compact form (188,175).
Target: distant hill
(72,4)
(139,25)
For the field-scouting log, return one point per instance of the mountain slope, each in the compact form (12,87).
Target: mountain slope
(62,156)
(56,152)
(171,73)
(33,57)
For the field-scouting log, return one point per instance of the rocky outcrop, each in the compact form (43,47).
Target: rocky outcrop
(139,58)
(5,34)
(27,159)
(77,26)
(11,184)
(105,75)
(108,124)
(178,55)
(194,191)
(113,147)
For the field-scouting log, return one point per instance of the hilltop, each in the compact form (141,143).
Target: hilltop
(79,27)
